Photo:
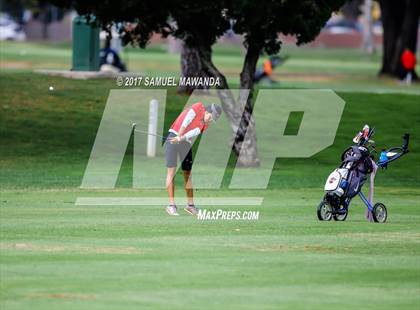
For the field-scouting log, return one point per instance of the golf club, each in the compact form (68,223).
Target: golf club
(147,133)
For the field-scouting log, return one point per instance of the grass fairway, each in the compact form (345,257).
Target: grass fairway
(57,255)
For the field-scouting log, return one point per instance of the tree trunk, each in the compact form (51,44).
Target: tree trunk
(191,66)
(400,24)
(247,125)
(229,105)
(391,15)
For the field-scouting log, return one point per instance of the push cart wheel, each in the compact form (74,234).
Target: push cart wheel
(324,211)
(379,213)
(341,216)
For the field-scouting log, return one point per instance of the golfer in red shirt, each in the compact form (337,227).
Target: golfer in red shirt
(188,125)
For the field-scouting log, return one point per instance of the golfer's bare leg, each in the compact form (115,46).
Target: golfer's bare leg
(188,187)
(170,184)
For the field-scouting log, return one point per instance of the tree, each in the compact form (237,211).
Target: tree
(261,22)
(199,23)
(400,20)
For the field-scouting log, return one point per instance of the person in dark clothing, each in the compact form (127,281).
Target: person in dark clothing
(110,57)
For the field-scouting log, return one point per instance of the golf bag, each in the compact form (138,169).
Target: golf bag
(347,180)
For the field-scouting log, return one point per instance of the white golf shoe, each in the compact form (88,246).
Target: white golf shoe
(191,209)
(172,210)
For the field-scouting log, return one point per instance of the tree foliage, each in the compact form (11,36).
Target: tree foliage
(202,22)
(261,21)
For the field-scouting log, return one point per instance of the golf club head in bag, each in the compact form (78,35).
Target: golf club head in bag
(363,137)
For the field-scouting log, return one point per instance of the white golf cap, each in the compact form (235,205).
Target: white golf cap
(216,110)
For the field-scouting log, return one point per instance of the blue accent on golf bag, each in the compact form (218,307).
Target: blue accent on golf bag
(344,184)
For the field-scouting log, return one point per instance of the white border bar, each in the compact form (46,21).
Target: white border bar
(162,201)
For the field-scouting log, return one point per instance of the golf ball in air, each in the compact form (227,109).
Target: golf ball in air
(51,88)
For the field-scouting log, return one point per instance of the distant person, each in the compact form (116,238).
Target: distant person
(266,71)
(109,59)
(408,62)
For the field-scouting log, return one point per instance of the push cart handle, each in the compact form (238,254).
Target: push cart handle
(384,159)
(406,140)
